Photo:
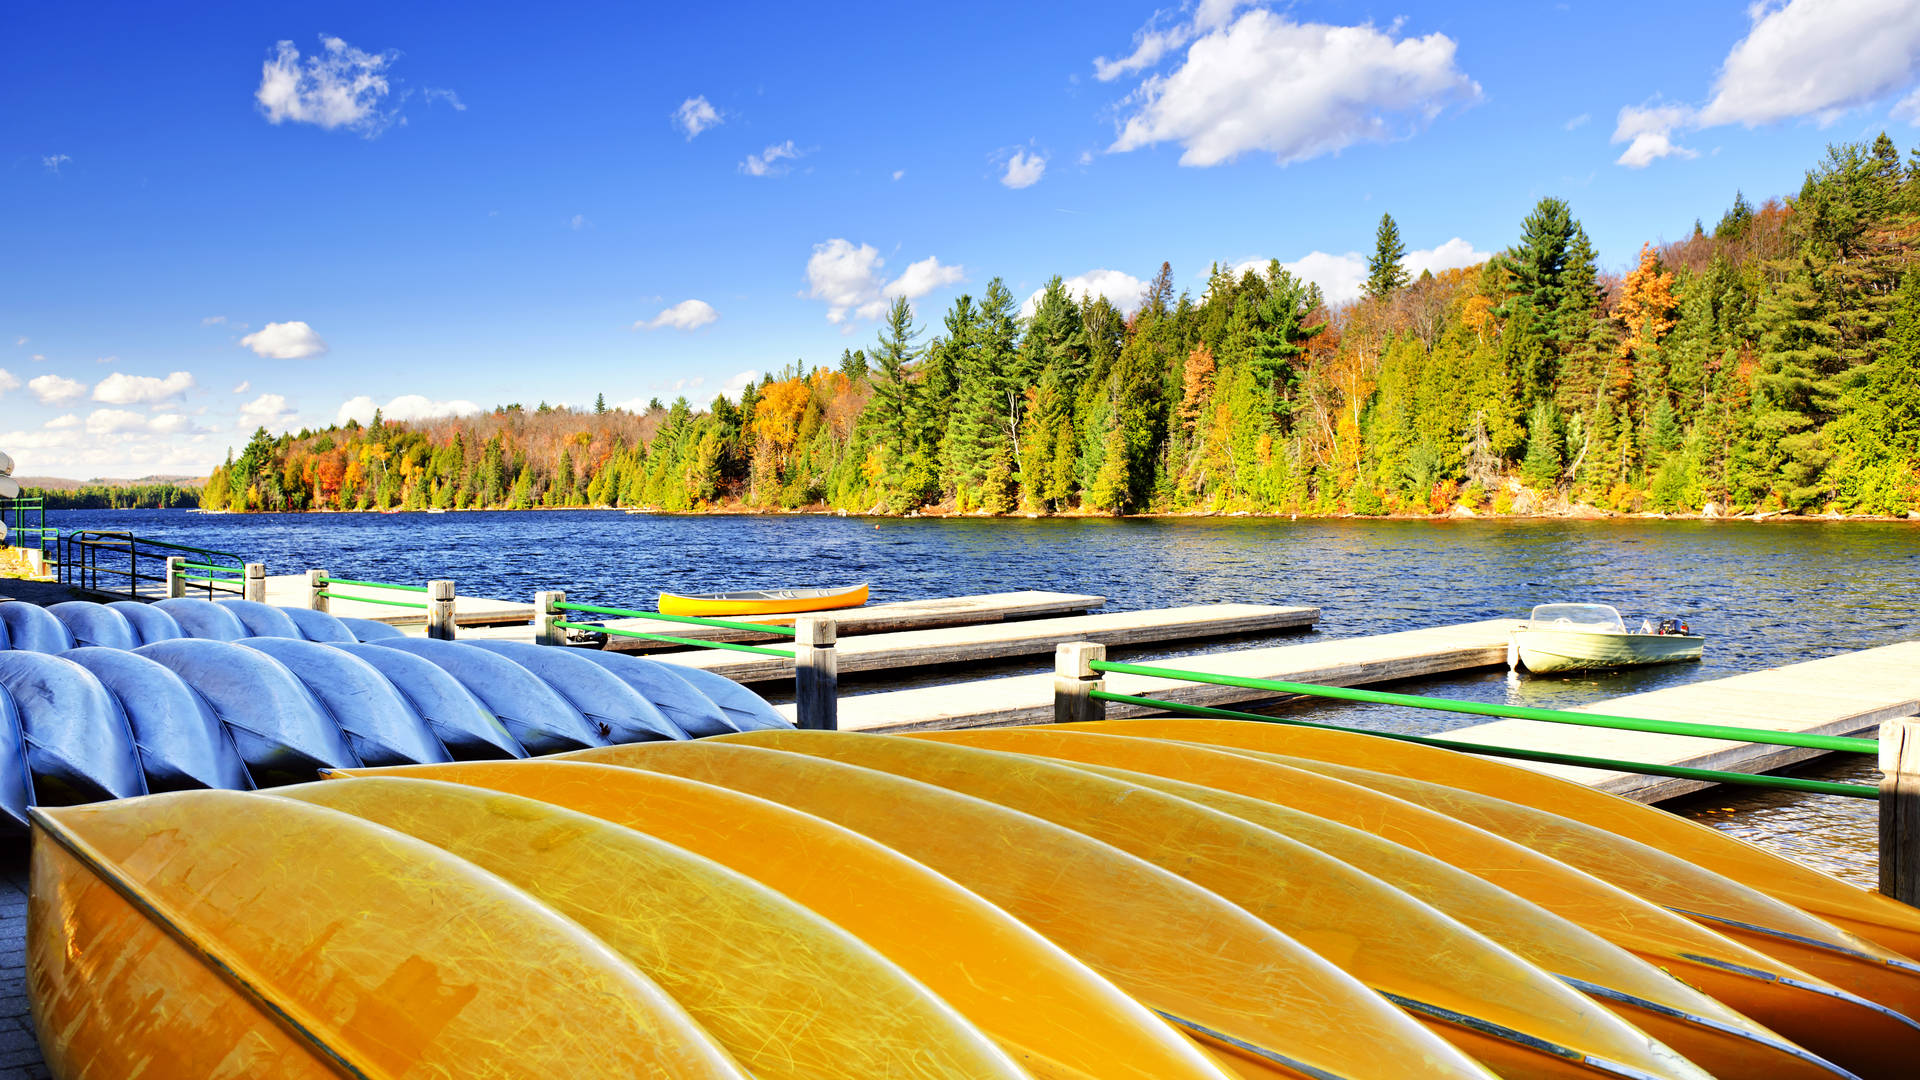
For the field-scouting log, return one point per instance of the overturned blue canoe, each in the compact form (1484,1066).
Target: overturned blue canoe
(542,721)
(260,620)
(149,623)
(16,794)
(689,709)
(462,724)
(369,629)
(746,710)
(78,745)
(32,628)
(623,714)
(95,624)
(203,619)
(181,743)
(318,625)
(277,726)
(379,724)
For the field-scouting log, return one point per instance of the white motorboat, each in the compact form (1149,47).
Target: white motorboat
(1587,637)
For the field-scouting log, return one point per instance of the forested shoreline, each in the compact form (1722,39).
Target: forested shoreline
(1766,364)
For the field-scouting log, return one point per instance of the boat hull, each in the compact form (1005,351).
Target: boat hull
(762,602)
(1548,651)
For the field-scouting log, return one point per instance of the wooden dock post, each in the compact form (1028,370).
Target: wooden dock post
(254,587)
(1074,682)
(1900,809)
(816,674)
(317,584)
(440,609)
(176,585)
(544,616)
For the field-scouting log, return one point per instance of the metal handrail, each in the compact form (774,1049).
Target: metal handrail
(371,585)
(695,620)
(80,564)
(1724,732)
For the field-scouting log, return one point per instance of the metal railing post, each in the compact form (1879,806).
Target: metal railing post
(176,582)
(255,588)
(1900,809)
(316,585)
(816,674)
(1074,682)
(440,609)
(544,616)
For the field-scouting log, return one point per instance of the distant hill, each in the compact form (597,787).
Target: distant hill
(56,483)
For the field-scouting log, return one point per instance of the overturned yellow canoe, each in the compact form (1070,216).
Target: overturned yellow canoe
(1053,1015)
(190,935)
(762,602)
(1245,990)
(1705,1030)
(1509,1015)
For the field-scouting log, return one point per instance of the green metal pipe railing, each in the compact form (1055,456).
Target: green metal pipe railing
(373,600)
(724,624)
(372,585)
(1832,743)
(694,642)
(1714,776)
(207,566)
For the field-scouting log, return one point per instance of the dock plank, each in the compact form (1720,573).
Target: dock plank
(1028,699)
(995,641)
(1849,694)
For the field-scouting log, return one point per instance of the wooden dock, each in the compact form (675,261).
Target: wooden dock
(1849,694)
(1000,641)
(873,618)
(1028,699)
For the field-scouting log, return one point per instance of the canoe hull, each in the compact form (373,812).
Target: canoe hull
(762,602)
(1549,651)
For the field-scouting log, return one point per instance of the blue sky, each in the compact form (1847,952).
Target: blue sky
(434,206)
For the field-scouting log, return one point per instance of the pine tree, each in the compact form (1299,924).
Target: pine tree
(1544,460)
(1385,270)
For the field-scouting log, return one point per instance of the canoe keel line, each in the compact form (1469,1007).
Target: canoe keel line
(1085,907)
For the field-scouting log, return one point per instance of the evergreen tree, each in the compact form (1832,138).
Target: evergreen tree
(1385,269)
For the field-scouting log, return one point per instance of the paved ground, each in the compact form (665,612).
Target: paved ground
(19,1053)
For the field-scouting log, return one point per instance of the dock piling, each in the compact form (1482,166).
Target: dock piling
(545,616)
(255,583)
(816,673)
(440,609)
(176,583)
(1900,809)
(317,590)
(1074,682)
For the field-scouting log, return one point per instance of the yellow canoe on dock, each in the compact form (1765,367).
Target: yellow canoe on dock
(762,602)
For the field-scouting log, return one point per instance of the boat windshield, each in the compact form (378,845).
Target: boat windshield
(1577,616)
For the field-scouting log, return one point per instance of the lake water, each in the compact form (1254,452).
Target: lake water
(1764,594)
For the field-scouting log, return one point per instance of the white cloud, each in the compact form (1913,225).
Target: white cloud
(8,381)
(1344,277)
(1648,132)
(850,279)
(243,386)
(695,115)
(734,386)
(340,87)
(122,389)
(267,410)
(58,423)
(1122,290)
(1024,169)
(169,423)
(432,95)
(113,421)
(39,358)
(578,222)
(56,389)
(1578,122)
(106,359)
(767,162)
(20,341)
(213,320)
(898,173)
(1800,59)
(1263,82)
(404,407)
(285,341)
(685,315)
(52,162)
